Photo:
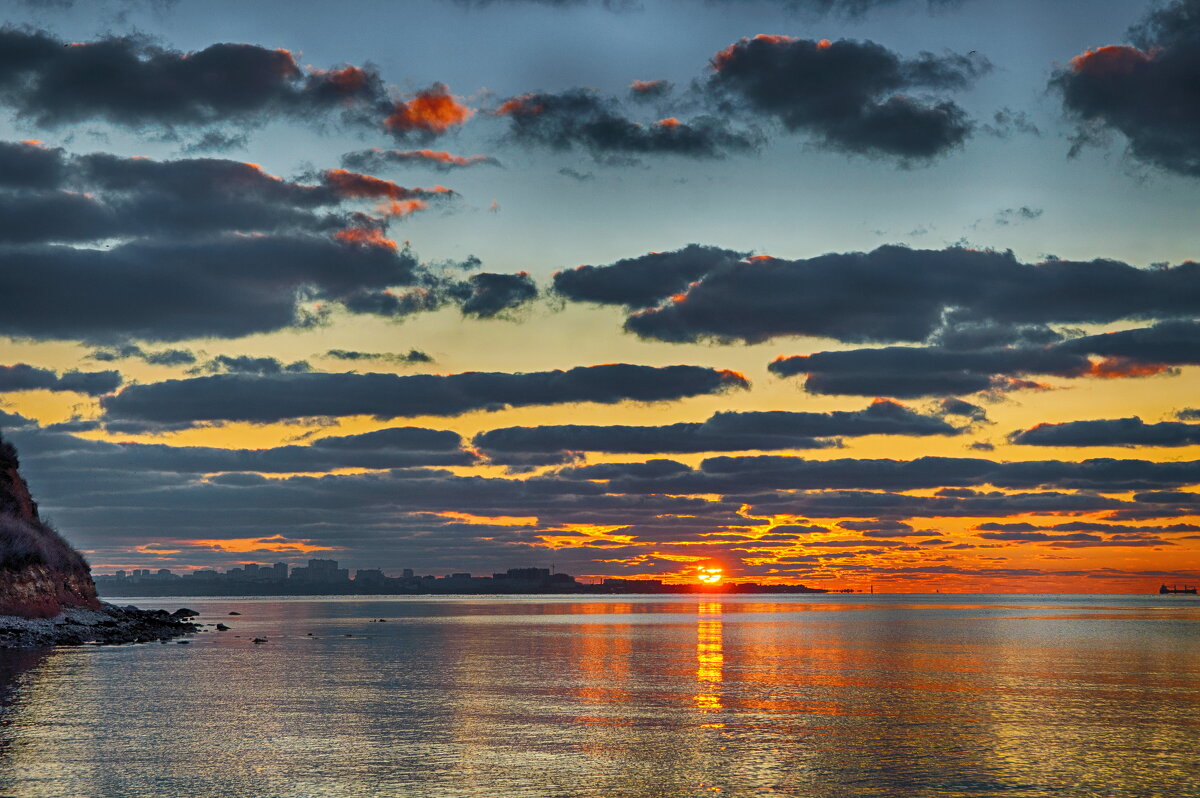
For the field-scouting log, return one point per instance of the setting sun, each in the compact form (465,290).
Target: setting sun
(710,575)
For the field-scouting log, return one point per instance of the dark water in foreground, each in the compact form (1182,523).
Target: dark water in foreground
(613,697)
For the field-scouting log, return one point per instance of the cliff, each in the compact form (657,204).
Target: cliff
(40,574)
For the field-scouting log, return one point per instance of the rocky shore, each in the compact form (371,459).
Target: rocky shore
(47,596)
(108,625)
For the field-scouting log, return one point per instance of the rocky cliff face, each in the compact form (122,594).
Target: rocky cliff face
(40,574)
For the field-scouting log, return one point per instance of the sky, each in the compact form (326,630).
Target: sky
(849,293)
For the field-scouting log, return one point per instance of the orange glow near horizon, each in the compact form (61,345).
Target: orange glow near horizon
(710,575)
(277,543)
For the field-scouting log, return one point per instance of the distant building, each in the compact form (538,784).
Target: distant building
(369,576)
(532,574)
(321,571)
(408,573)
(279,570)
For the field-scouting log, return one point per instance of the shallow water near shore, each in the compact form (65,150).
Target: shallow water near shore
(834,695)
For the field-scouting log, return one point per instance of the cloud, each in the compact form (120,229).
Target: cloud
(649,90)
(100,197)
(1009,216)
(409,357)
(23,377)
(585,119)
(164,357)
(376,160)
(485,295)
(908,372)
(128,81)
(890,294)
(225,287)
(850,96)
(575,174)
(913,371)
(28,164)
(845,8)
(245,364)
(268,398)
(1145,91)
(427,114)
(724,431)
(644,280)
(1110,432)
(397,447)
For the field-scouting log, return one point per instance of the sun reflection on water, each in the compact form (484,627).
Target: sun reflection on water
(710,658)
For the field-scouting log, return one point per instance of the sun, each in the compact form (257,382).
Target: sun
(709,575)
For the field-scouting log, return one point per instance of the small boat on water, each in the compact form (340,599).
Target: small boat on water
(1191,589)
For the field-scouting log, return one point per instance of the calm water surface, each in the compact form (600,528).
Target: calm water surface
(619,696)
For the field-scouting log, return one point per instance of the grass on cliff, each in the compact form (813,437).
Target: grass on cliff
(24,544)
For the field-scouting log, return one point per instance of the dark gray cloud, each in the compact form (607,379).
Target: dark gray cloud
(1110,432)
(924,371)
(399,447)
(585,119)
(352,355)
(268,398)
(1091,526)
(226,287)
(378,160)
(311,245)
(851,96)
(898,294)
(246,364)
(645,280)
(1146,92)
(753,477)
(29,165)
(937,371)
(1008,216)
(485,295)
(1175,343)
(23,377)
(129,81)
(163,357)
(99,197)
(844,8)
(724,431)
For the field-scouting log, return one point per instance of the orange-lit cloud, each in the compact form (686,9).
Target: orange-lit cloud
(353,185)
(1118,367)
(440,156)
(1110,60)
(276,543)
(348,80)
(433,110)
(643,86)
(490,520)
(722,59)
(522,105)
(402,207)
(365,236)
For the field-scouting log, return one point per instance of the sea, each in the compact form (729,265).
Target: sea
(700,695)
